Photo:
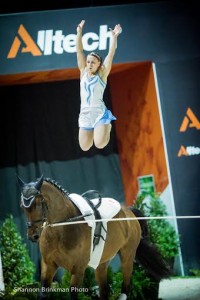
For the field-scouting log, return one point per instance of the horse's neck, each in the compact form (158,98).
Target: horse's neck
(59,205)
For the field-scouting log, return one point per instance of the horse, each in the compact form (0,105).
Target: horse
(45,202)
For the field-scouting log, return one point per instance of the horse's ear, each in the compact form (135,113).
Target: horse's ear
(39,183)
(21,182)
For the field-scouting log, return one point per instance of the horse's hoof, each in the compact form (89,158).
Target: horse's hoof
(122,297)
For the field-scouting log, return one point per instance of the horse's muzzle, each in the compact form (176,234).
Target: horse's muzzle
(33,234)
(34,238)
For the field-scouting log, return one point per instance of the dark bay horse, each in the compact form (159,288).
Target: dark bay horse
(68,246)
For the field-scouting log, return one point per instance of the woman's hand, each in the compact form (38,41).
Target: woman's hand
(80,26)
(117,30)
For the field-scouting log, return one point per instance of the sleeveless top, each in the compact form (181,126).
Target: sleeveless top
(92,105)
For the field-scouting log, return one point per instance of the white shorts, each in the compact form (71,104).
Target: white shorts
(90,120)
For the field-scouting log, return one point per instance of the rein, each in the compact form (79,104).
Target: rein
(69,220)
(87,214)
(44,213)
(26,202)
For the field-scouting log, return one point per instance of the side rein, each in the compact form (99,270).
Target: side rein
(29,192)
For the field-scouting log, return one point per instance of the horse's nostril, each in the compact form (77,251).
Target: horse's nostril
(34,238)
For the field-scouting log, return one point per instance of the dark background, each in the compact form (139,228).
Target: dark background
(13,6)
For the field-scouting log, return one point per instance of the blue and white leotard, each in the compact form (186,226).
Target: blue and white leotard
(93,109)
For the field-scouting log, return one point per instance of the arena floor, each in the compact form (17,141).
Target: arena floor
(180,289)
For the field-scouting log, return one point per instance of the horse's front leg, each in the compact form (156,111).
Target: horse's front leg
(47,275)
(75,283)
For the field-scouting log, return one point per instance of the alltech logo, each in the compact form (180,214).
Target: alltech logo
(55,42)
(188,151)
(190,120)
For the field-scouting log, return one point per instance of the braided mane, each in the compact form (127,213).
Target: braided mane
(59,187)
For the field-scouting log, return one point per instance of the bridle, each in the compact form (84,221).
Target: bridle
(29,192)
(26,202)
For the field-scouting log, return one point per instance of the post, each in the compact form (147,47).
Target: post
(2,287)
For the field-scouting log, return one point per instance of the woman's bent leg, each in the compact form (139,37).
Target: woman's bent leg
(102,135)
(85,139)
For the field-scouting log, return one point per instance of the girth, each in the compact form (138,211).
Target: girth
(98,225)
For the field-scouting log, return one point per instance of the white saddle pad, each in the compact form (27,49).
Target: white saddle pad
(108,209)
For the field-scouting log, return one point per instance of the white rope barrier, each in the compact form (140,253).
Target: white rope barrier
(120,219)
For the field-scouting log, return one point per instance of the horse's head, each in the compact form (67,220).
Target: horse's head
(34,207)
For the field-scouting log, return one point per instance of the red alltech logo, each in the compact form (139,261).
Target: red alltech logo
(190,120)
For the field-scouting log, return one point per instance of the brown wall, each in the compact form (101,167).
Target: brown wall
(138,127)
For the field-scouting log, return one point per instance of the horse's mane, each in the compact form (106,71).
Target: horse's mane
(58,186)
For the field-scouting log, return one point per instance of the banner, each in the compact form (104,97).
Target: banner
(179,87)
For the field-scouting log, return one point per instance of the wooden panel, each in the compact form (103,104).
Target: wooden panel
(50,75)
(36,77)
(138,128)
